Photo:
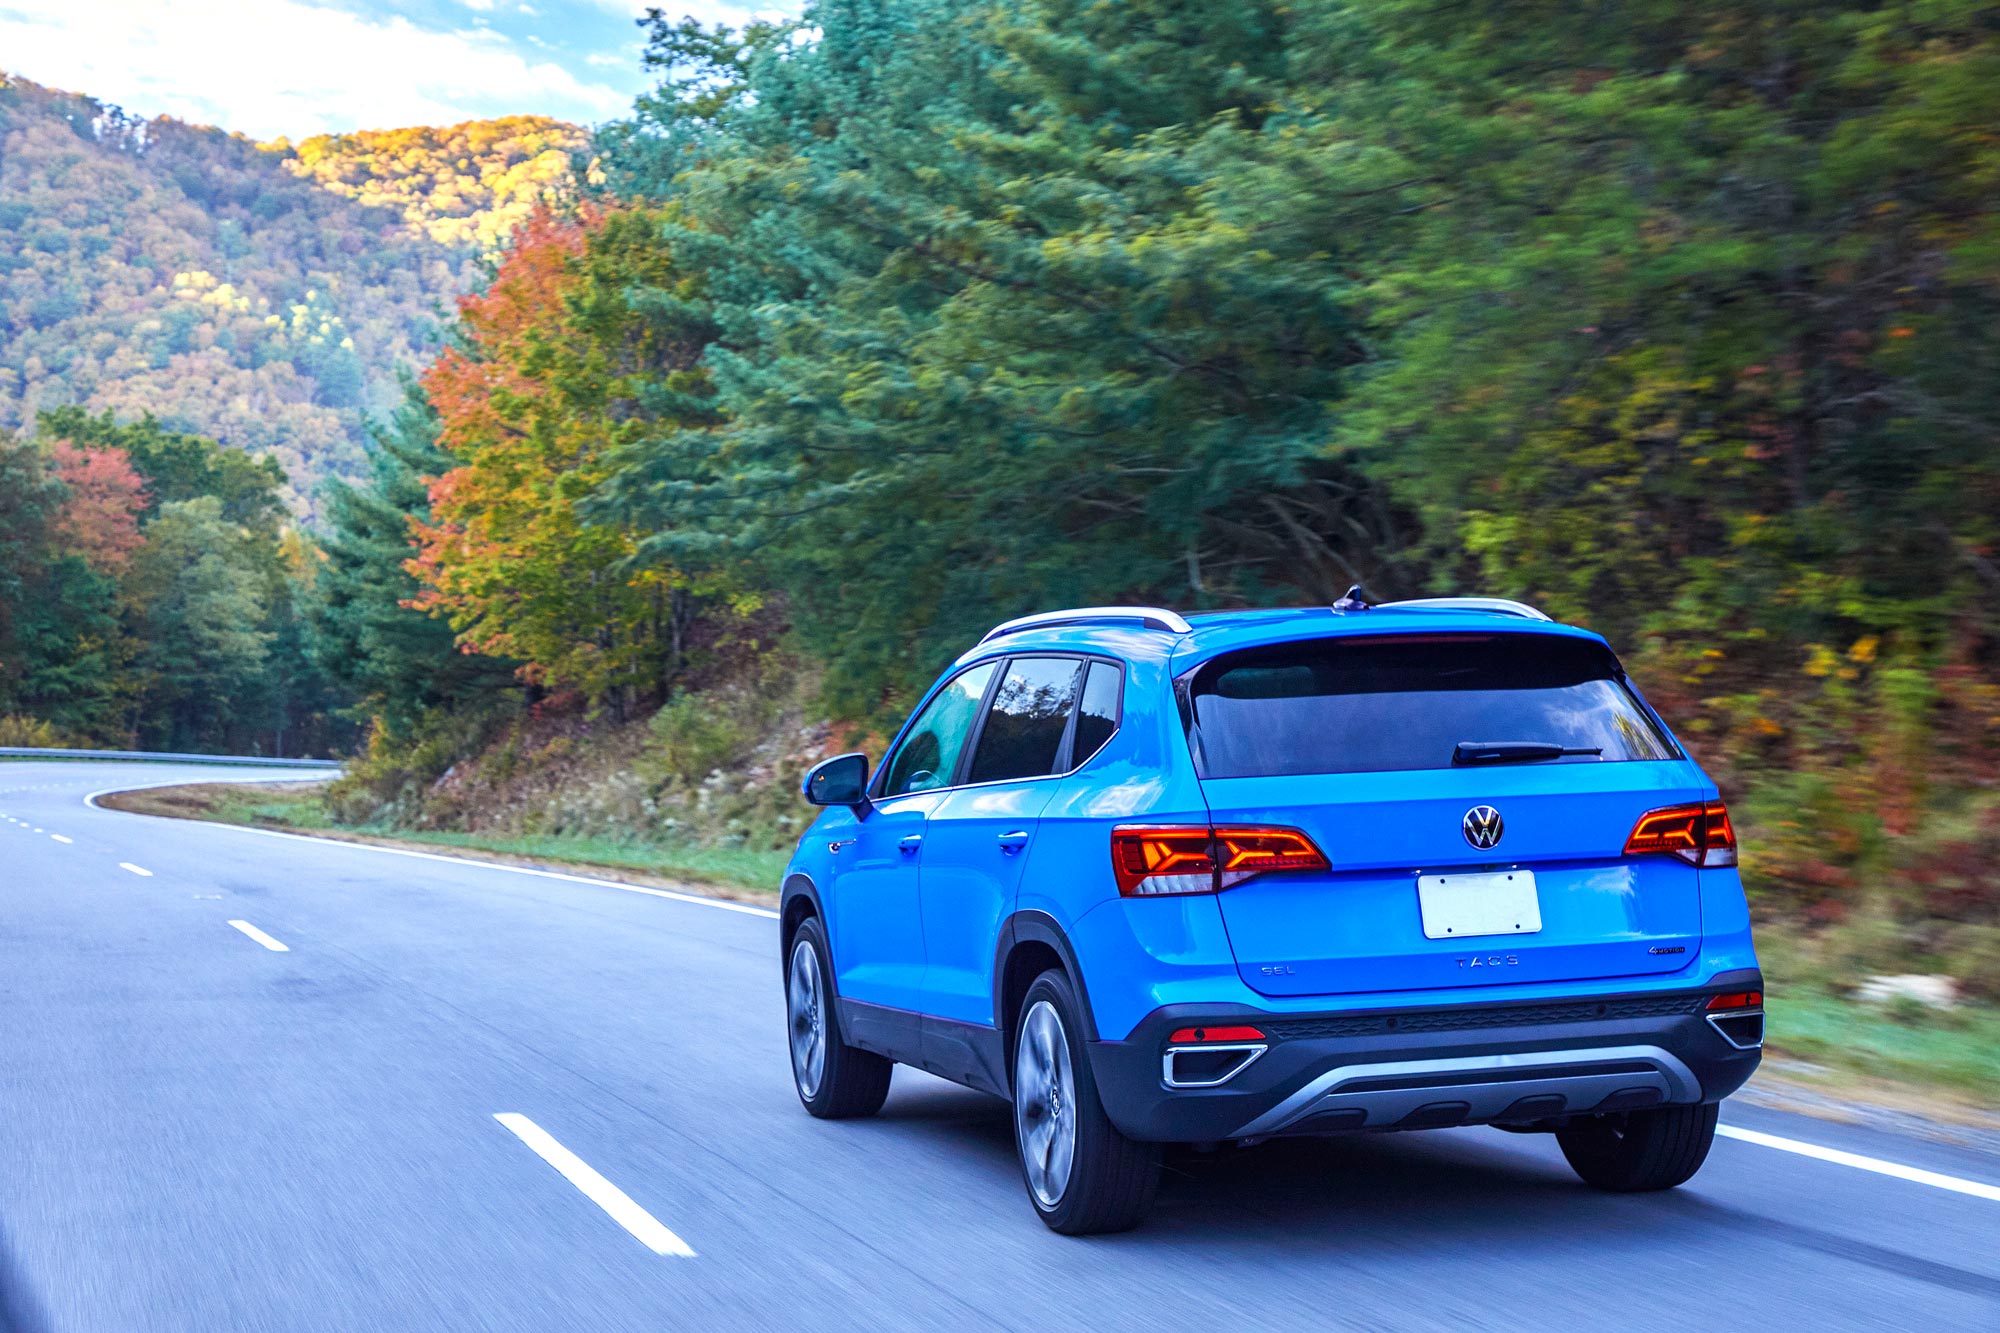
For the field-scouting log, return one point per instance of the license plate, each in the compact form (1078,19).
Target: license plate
(1502,902)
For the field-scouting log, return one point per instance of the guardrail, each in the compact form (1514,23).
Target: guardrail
(251,761)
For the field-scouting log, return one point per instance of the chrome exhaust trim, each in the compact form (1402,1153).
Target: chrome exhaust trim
(1255,1049)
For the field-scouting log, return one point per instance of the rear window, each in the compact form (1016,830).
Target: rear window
(1372,705)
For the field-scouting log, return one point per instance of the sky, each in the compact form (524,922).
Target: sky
(295,68)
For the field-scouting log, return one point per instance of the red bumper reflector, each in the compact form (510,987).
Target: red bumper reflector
(1749,999)
(1196,1036)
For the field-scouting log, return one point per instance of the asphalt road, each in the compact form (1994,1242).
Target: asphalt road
(200,1132)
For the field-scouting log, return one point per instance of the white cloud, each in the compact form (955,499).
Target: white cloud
(481,5)
(272,67)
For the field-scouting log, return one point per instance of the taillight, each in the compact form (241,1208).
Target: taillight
(1699,834)
(1152,861)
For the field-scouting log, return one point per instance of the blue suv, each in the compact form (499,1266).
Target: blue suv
(1213,879)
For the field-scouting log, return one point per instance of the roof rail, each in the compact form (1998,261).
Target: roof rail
(1152,617)
(1500,605)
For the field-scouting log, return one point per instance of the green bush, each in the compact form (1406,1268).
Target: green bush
(697,734)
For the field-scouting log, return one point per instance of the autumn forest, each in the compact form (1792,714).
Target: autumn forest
(584,483)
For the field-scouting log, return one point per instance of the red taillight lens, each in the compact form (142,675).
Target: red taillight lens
(1197,1036)
(1151,861)
(1154,861)
(1748,999)
(1699,834)
(1257,851)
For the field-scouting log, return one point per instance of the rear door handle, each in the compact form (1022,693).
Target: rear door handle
(908,846)
(1011,843)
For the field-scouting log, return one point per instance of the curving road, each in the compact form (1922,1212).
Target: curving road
(200,1131)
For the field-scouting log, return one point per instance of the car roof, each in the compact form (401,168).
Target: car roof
(1213,632)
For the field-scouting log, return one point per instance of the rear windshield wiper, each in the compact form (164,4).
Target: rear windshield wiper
(1516,752)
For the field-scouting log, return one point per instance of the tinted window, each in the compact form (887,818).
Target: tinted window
(1097,715)
(1379,704)
(929,754)
(1024,727)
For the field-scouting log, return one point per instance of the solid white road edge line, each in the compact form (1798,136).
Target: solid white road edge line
(614,1201)
(137,870)
(1910,1173)
(273,945)
(695,898)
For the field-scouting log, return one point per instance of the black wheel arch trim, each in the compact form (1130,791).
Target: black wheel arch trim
(1031,925)
(796,888)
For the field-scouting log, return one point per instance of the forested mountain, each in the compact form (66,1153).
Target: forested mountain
(462,185)
(265,296)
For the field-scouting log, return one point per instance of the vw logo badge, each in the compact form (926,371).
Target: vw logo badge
(1482,827)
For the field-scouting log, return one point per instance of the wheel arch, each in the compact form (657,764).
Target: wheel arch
(798,900)
(1030,943)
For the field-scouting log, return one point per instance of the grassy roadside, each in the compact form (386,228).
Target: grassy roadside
(742,876)
(1902,1056)
(1892,1050)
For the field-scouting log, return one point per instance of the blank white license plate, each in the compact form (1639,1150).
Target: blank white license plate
(1502,902)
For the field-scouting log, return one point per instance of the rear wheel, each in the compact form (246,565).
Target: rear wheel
(1083,1176)
(1640,1150)
(835,1081)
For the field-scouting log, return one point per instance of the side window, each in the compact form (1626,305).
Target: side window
(929,753)
(1024,727)
(1097,715)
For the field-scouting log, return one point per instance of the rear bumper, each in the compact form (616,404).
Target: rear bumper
(1413,1068)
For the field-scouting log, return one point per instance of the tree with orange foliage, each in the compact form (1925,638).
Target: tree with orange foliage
(100,518)
(556,370)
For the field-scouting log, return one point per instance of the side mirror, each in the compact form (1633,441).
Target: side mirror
(841,780)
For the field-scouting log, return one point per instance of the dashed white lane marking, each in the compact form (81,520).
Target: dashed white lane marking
(642,1224)
(1915,1175)
(721,904)
(274,946)
(58,837)
(137,870)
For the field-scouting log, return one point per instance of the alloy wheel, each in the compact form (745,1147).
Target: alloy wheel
(1045,1103)
(807,1009)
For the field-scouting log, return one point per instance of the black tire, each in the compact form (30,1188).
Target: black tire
(851,1082)
(1111,1180)
(1640,1150)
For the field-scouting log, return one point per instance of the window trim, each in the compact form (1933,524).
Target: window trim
(1063,755)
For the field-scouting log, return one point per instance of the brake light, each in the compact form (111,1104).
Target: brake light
(1699,834)
(1196,1036)
(1152,861)
(1748,999)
